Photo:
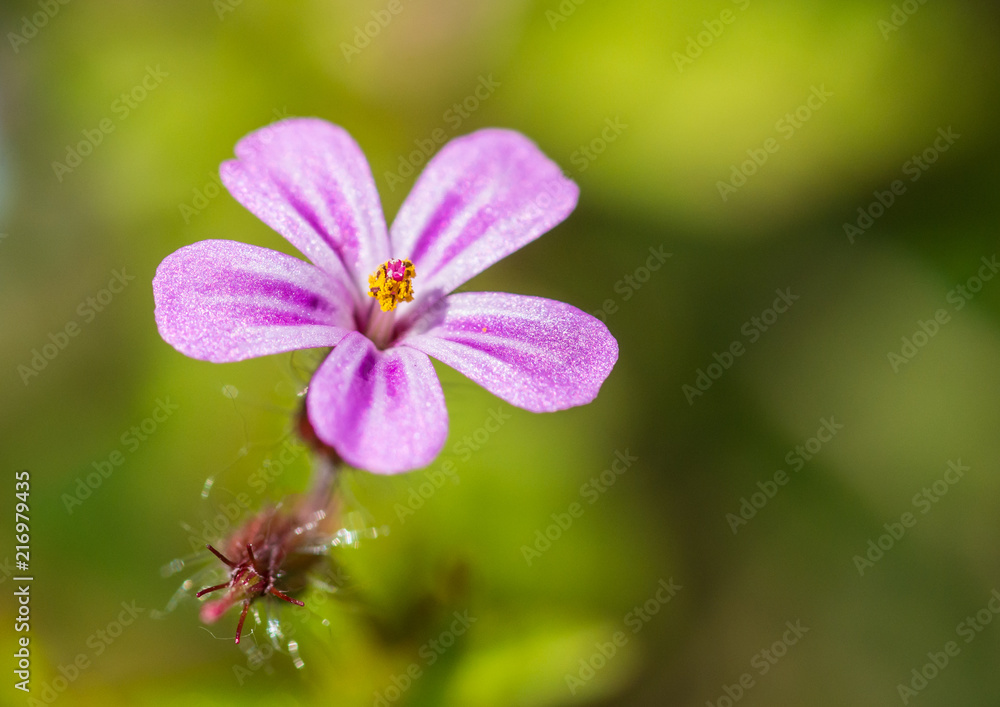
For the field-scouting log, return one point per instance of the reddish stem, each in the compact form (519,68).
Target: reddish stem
(211,589)
(287,598)
(243,615)
(221,556)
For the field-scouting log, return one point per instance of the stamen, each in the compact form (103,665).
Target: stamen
(392,283)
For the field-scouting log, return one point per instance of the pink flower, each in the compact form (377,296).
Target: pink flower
(376,398)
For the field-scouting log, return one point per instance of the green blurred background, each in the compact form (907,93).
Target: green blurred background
(693,91)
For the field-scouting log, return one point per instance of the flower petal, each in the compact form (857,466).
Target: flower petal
(225,301)
(535,353)
(380,410)
(482,197)
(309,181)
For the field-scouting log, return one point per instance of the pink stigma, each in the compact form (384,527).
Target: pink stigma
(396,269)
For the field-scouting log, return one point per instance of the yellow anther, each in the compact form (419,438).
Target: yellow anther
(392,283)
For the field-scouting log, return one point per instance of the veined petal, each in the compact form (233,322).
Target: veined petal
(225,301)
(309,181)
(535,353)
(479,199)
(382,411)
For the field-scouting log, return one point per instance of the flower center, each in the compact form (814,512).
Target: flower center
(392,283)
